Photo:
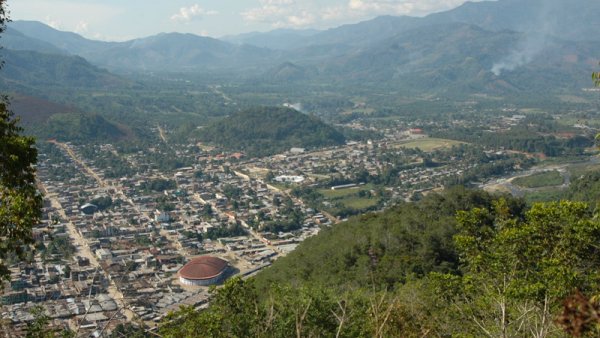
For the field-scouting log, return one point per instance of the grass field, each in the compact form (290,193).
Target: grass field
(430,144)
(360,203)
(540,180)
(350,198)
(341,193)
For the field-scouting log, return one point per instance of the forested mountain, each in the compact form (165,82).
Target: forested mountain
(459,58)
(80,127)
(269,130)
(569,20)
(471,49)
(15,40)
(46,72)
(176,52)
(70,42)
(166,52)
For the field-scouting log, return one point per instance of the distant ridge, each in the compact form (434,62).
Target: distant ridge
(496,47)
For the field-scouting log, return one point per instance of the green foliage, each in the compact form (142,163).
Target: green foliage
(39,326)
(233,230)
(61,246)
(585,188)
(159,185)
(268,130)
(240,310)
(103,202)
(80,127)
(521,138)
(516,271)
(20,202)
(128,330)
(381,249)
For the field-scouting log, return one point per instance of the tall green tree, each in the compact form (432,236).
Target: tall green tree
(516,272)
(20,201)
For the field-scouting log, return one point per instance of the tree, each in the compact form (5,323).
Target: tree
(517,271)
(39,327)
(20,201)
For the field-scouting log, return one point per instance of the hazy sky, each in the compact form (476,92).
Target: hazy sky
(128,19)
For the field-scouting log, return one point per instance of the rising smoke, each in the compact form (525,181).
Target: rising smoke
(526,50)
(536,38)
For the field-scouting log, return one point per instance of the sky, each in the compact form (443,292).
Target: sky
(119,20)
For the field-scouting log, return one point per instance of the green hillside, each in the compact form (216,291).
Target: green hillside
(80,127)
(459,264)
(29,69)
(264,131)
(405,241)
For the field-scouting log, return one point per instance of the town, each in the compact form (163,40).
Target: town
(114,242)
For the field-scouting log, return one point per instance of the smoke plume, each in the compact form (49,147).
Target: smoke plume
(536,38)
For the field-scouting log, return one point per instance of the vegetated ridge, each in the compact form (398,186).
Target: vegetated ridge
(264,131)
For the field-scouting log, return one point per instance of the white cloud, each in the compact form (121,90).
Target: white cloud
(301,19)
(82,27)
(56,24)
(282,13)
(187,14)
(298,14)
(400,7)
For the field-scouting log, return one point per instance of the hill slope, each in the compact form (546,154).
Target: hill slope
(269,130)
(32,69)
(68,41)
(463,58)
(15,40)
(404,241)
(79,127)
(33,110)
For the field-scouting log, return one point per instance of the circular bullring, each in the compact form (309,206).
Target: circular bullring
(202,271)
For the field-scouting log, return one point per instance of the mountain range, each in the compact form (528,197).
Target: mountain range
(496,46)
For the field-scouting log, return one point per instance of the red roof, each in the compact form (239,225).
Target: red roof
(204,267)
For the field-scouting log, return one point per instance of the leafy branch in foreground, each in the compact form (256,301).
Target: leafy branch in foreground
(20,201)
